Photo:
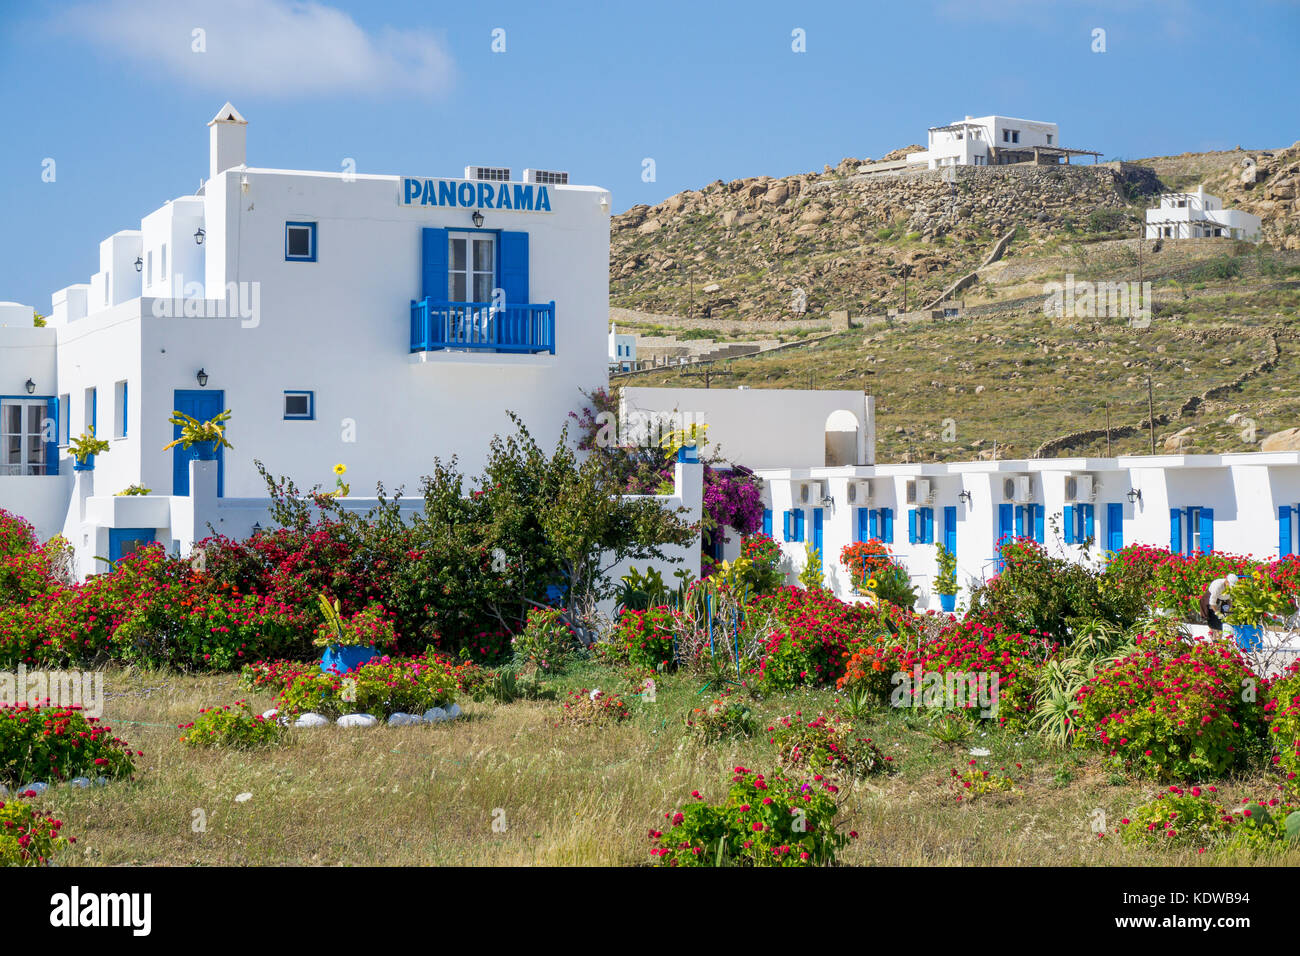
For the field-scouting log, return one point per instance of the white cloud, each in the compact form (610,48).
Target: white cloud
(268,47)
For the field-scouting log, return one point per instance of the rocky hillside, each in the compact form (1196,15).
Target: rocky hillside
(764,248)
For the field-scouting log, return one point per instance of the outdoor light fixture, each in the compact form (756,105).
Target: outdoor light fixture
(478,219)
(243,184)
(198,236)
(203,378)
(30,386)
(964,495)
(1134,495)
(257,527)
(139,264)
(604,202)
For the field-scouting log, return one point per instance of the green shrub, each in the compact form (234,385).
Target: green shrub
(58,743)
(231,726)
(727,717)
(1284,724)
(546,642)
(645,638)
(26,837)
(776,822)
(1192,818)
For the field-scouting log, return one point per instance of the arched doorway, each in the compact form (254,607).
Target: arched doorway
(842,438)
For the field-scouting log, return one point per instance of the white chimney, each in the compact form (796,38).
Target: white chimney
(227,141)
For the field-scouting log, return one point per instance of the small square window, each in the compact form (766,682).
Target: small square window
(300,405)
(300,241)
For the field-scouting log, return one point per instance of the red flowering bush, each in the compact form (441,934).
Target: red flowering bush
(1283,715)
(1196,818)
(589,707)
(763,822)
(645,638)
(547,641)
(972,649)
(274,675)
(382,687)
(976,781)
(727,717)
(826,744)
(231,726)
(813,631)
(864,560)
(16,535)
(1180,580)
(58,743)
(28,838)
(1172,710)
(869,669)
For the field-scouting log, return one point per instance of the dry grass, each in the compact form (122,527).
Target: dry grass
(429,795)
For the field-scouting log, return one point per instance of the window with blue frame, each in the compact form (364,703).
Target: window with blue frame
(794,524)
(1078,523)
(767,522)
(1031,522)
(300,242)
(299,405)
(920,526)
(1191,529)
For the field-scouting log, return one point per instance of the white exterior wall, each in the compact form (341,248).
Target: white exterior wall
(1193,215)
(970,146)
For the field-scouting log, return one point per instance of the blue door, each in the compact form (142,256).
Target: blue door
(123,541)
(202,405)
(817,530)
(950,529)
(1006,529)
(1114,526)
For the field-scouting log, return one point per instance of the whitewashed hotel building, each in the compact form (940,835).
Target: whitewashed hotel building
(1198,215)
(372,320)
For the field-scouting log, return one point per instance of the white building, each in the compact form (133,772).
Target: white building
(994,141)
(1199,215)
(372,320)
(622,350)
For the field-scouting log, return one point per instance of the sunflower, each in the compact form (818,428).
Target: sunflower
(340,469)
(871,583)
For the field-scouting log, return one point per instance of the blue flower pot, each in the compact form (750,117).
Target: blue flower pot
(205,451)
(948,602)
(87,465)
(1247,635)
(347,658)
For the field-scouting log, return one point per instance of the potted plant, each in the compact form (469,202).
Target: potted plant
(84,448)
(1253,600)
(204,437)
(351,642)
(945,583)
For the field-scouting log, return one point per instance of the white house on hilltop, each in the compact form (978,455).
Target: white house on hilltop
(995,141)
(1199,215)
(372,320)
(622,350)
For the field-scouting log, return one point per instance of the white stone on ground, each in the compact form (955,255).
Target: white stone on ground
(357,720)
(400,719)
(311,719)
(453,711)
(80,781)
(434,715)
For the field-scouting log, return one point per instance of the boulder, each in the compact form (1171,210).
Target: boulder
(80,781)
(1286,440)
(435,715)
(311,719)
(453,711)
(358,720)
(400,719)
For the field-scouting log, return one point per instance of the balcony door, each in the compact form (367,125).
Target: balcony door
(25,438)
(471,266)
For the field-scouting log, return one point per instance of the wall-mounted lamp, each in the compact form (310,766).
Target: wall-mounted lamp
(198,236)
(604,202)
(478,219)
(828,501)
(30,386)
(1134,495)
(964,495)
(202,376)
(243,184)
(139,264)
(257,527)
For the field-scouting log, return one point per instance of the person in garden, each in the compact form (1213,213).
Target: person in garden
(1215,603)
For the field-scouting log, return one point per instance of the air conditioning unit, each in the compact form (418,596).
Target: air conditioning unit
(859,491)
(492,174)
(546,177)
(919,491)
(807,492)
(1018,488)
(1080,488)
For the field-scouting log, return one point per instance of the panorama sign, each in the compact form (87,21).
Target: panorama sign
(521,197)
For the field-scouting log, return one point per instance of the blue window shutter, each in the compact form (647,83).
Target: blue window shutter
(950,528)
(911,526)
(52,446)
(887,525)
(1207,530)
(767,522)
(1039,513)
(433,265)
(786,516)
(1068,521)
(866,521)
(1005,525)
(513,267)
(873,524)
(1089,522)
(1020,521)
(1283,530)
(1176,530)
(799,523)
(1114,526)
(929,526)
(818,518)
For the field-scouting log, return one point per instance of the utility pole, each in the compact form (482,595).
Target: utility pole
(906,269)
(1151,415)
(1107,431)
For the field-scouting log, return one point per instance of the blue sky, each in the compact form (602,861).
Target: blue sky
(115,93)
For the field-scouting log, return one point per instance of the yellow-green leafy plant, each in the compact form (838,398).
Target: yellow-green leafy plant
(86,445)
(195,432)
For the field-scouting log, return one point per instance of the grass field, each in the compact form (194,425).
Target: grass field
(429,795)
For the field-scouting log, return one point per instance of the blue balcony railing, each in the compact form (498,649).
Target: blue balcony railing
(482,326)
